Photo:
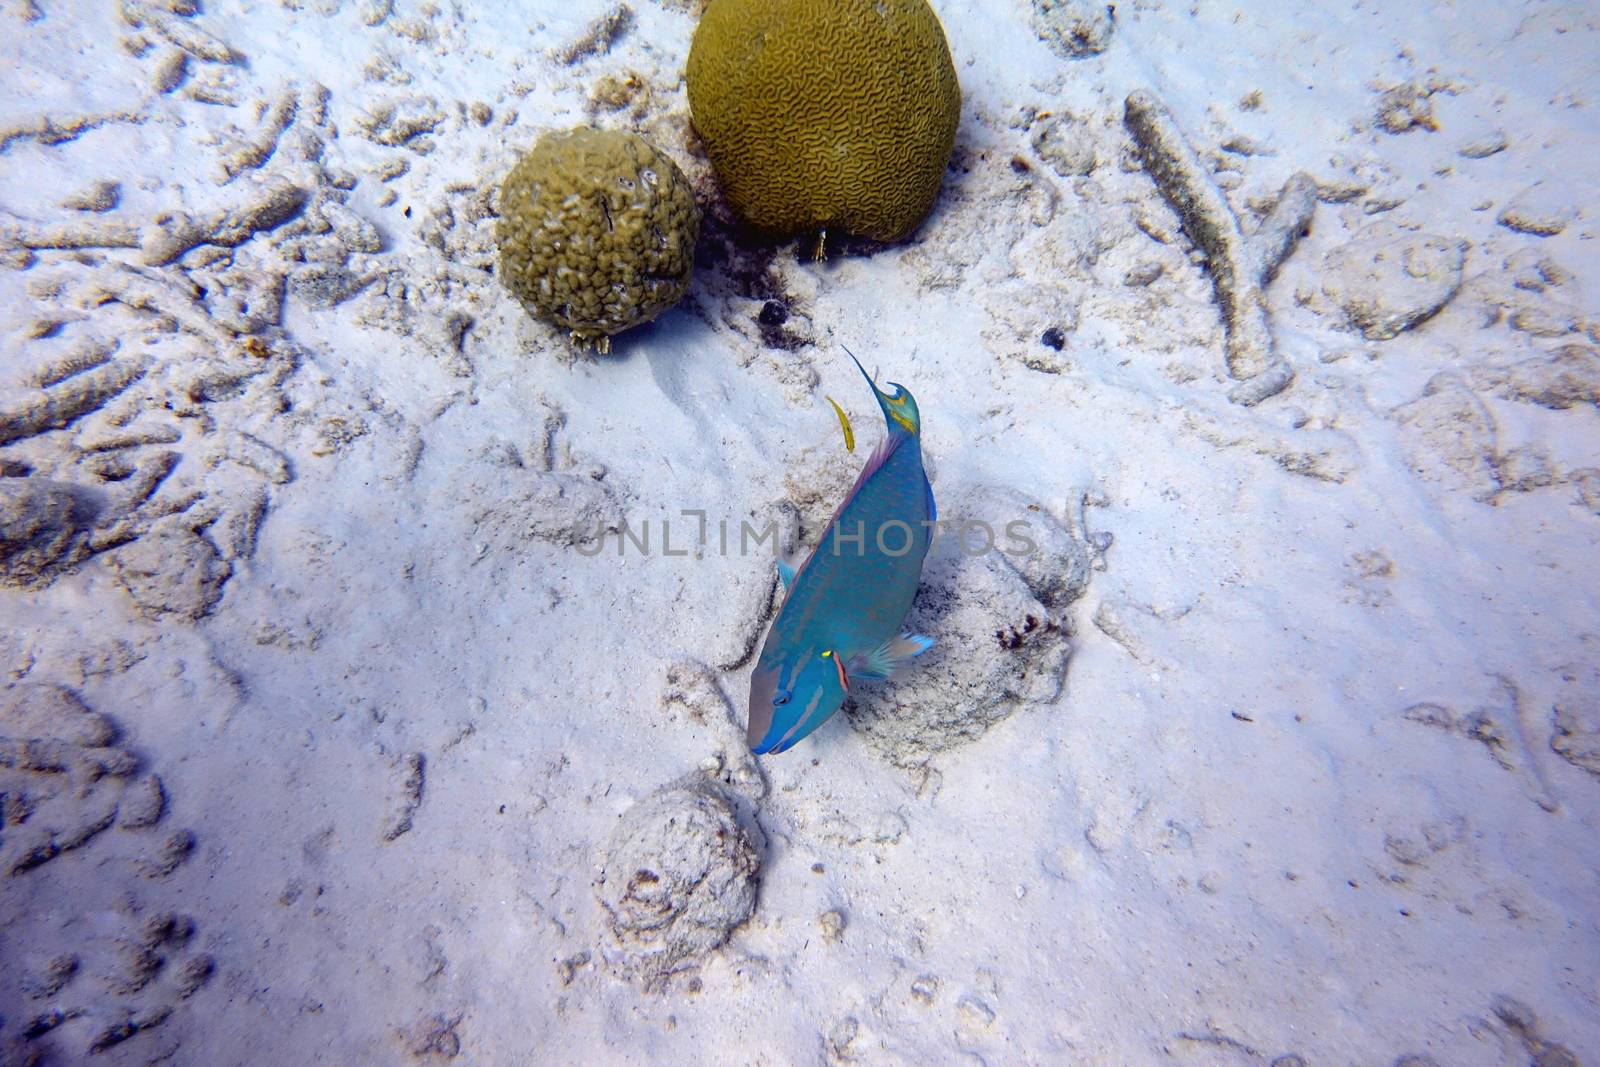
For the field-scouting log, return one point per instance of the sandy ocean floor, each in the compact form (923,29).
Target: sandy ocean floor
(341,725)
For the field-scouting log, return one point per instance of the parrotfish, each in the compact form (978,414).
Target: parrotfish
(843,608)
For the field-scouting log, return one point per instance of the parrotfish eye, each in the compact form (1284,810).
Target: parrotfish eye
(781,697)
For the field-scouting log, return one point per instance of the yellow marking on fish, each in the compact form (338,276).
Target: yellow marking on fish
(849,434)
(896,401)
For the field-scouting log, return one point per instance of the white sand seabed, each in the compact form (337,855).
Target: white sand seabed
(1322,777)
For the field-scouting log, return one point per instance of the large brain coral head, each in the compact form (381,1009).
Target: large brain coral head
(825,114)
(597,231)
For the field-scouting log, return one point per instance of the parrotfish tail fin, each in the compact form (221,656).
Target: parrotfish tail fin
(785,574)
(899,409)
(889,658)
(860,368)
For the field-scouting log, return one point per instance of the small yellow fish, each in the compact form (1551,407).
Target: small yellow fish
(844,421)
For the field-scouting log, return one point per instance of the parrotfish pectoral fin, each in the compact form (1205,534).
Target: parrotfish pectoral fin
(785,574)
(889,658)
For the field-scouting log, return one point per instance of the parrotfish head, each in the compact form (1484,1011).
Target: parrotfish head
(899,406)
(789,701)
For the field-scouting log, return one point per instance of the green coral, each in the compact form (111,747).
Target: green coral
(825,114)
(596,233)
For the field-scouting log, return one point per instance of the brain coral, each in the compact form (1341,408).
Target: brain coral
(596,233)
(825,114)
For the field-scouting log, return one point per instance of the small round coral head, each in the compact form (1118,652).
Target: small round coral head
(596,232)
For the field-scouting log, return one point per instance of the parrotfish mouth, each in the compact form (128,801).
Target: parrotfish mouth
(799,709)
(763,688)
(805,721)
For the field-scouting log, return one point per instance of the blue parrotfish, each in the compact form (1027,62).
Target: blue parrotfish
(843,608)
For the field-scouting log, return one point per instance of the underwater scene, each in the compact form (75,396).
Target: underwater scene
(800,533)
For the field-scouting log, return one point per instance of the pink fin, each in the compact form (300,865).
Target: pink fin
(879,457)
(876,461)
